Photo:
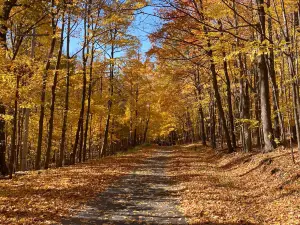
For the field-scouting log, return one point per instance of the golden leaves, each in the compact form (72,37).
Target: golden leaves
(236,188)
(45,197)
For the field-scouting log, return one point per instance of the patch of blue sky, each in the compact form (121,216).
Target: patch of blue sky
(144,24)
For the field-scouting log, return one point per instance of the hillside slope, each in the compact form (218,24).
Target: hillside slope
(237,188)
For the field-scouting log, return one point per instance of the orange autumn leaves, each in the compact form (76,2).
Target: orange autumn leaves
(239,188)
(45,197)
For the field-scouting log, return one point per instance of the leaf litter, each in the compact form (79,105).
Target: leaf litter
(45,197)
(237,188)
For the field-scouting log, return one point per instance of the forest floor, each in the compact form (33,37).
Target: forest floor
(146,195)
(238,188)
(188,184)
(47,196)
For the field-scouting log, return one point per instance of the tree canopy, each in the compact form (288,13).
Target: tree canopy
(221,72)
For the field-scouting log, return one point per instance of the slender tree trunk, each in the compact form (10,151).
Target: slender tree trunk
(105,140)
(147,125)
(278,124)
(200,109)
(26,113)
(229,102)
(90,139)
(213,71)
(89,104)
(24,151)
(212,124)
(130,116)
(66,107)
(292,71)
(78,137)
(136,115)
(202,125)
(53,93)
(43,95)
(79,154)
(5,10)
(113,34)
(246,112)
(14,132)
(3,166)
(19,138)
(218,99)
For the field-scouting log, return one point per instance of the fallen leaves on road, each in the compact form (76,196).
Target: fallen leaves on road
(238,188)
(44,197)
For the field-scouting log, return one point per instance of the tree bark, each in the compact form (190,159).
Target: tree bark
(200,108)
(5,10)
(278,123)
(218,99)
(229,102)
(14,131)
(24,150)
(136,115)
(113,34)
(292,71)
(212,124)
(43,95)
(66,106)
(89,105)
(147,125)
(78,137)
(264,84)
(53,93)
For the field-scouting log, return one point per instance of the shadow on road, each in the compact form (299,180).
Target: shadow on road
(147,196)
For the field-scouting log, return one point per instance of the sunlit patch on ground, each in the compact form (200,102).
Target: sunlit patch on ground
(145,196)
(44,197)
(237,188)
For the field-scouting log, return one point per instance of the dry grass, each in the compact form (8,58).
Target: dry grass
(237,188)
(44,197)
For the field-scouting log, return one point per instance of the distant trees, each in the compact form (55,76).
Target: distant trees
(246,55)
(42,76)
(221,72)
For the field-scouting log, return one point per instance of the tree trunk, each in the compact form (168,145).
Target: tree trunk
(90,139)
(278,124)
(53,93)
(218,99)
(24,150)
(212,124)
(246,112)
(89,104)
(66,107)
(229,102)
(5,10)
(3,166)
(105,140)
(200,109)
(43,95)
(78,137)
(14,131)
(147,125)
(292,71)
(79,153)
(202,126)
(113,34)
(264,85)
(136,115)
(213,71)
(265,105)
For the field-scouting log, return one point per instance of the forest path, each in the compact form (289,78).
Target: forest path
(145,196)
